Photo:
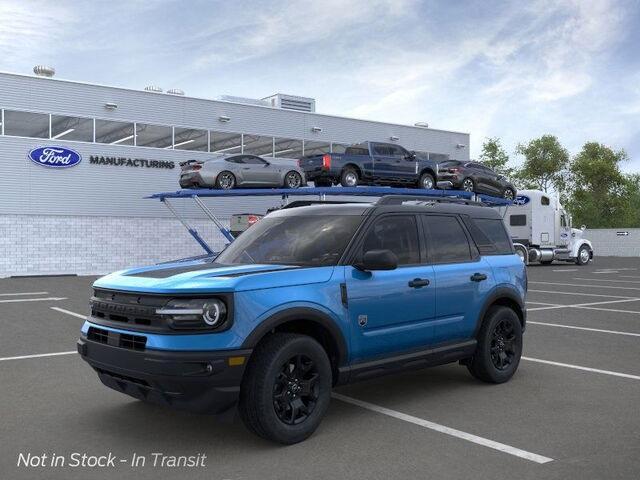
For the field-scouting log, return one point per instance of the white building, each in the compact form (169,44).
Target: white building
(92,217)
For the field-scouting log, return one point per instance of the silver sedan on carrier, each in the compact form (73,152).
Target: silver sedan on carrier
(241,170)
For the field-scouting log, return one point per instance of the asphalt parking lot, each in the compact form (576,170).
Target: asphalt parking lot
(571,411)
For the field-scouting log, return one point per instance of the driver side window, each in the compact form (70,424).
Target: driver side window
(397,233)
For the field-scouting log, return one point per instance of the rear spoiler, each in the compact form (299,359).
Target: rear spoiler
(189,162)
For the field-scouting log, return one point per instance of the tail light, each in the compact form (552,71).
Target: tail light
(326,161)
(454,170)
(251,219)
(298,162)
(197,166)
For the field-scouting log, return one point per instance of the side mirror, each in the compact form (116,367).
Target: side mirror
(411,155)
(583,228)
(378,260)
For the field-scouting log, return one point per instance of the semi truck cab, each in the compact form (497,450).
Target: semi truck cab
(541,230)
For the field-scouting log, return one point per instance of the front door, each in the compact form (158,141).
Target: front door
(391,311)
(259,172)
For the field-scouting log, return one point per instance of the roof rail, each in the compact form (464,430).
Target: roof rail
(398,199)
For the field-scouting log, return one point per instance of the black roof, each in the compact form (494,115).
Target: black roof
(424,206)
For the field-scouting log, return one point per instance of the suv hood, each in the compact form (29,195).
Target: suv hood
(207,277)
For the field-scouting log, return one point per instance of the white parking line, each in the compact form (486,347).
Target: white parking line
(542,303)
(607,280)
(582,294)
(587,286)
(22,293)
(610,310)
(47,299)
(598,330)
(566,270)
(485,442)
(23,357)
(579,367)
(68,312)
(586,305)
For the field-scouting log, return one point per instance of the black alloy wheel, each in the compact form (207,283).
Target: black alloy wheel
(296,390)
(226,180)
(508,194)
(503,348)
(293,180)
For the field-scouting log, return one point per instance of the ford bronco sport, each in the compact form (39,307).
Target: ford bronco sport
(310,298)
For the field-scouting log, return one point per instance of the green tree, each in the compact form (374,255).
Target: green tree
(495,157)
(601,196)
(545,164)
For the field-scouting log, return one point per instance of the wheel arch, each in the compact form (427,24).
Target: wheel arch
(506,297)
(307,321)
(355,167)
(429,170)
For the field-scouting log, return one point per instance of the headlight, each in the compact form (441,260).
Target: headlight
(204,313)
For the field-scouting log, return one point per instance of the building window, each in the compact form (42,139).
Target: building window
(71,128)
(114,133)
(316,148)
(226,142)
(287,148)
(26,124)
(257,145)
(157,136)
(190,139)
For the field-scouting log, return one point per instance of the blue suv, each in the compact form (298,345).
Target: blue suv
(309,298)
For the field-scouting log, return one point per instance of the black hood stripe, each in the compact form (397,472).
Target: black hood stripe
(170,272)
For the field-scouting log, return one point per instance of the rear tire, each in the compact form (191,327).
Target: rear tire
(499,346)
(292,180)
(286,389)
(349,177)
(225,180)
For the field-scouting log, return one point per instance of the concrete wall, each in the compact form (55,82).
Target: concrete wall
(610,242)
(84,245)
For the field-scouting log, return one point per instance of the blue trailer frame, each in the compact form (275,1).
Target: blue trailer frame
(410,193)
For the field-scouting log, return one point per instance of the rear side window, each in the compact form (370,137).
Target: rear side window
(358,150)
(447,240)
(398,233)
(518,220)
(490,236)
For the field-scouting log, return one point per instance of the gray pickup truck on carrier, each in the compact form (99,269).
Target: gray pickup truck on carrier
(371,163)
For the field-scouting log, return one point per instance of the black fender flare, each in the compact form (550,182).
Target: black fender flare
(299,313)
(498,294)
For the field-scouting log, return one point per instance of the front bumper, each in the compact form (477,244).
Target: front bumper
(200,382)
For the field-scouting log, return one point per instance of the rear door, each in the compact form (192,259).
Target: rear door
(391,311)
(463,278)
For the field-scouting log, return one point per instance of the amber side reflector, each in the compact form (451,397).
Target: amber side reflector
(236,361)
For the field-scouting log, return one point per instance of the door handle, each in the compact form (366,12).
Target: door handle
(418,282)
(478,277)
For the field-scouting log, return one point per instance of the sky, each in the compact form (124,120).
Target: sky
(514,70)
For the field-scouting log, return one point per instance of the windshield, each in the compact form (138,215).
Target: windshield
(315,240)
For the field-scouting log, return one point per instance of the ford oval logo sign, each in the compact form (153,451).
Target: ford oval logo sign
(521,200)
(55,157)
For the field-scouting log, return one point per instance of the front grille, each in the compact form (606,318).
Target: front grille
(115,339)
(126,309)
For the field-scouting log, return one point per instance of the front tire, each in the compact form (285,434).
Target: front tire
(499,346)
(286,389)
(468,185)
(508,194)
(584,255)
(427,182)
(225,180)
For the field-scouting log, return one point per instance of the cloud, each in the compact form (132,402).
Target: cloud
(29,29)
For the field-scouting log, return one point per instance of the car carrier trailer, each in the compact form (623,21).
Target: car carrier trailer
(407,194)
